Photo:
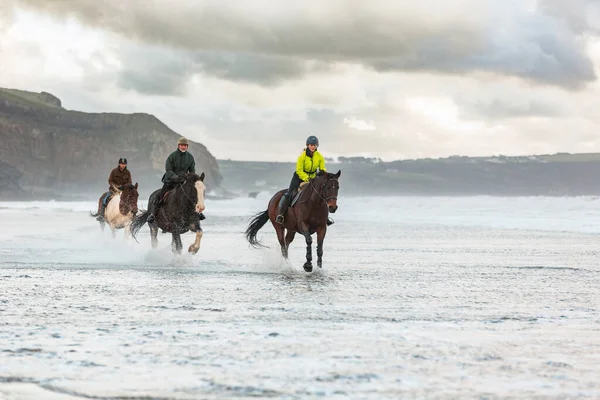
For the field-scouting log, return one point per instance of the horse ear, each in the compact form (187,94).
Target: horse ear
(338,173)
(202,177)
(136,185)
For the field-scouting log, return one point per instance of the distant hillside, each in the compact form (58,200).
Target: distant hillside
(544,175)
(53,151)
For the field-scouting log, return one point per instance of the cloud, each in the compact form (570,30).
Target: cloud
(501,109)
(471,78)
(581,15)
(359,124)
(267,42)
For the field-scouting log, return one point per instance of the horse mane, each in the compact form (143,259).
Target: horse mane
(314,185)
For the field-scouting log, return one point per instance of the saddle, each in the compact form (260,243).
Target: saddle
(296,195)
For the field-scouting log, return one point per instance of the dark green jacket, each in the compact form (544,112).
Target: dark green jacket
(176,163)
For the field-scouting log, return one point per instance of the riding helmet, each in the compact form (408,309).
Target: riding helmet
(183,140)
(123,160)
(312,140)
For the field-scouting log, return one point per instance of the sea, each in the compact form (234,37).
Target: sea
(419,297)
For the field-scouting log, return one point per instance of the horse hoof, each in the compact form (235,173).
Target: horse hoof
(308,267)
(192,250)
(319,264)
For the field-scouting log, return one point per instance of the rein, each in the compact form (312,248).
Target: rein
(185,194)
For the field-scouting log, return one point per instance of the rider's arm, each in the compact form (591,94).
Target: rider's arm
(169,168)
(300,168)
(193,165)
(322,163)
(111,178)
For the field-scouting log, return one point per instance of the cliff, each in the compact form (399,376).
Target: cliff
(55,151)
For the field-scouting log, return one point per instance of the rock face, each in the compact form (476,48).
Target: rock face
(70,152)
(9,181)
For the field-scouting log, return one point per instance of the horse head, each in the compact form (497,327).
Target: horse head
(194,188)
(329,188)
(129,199)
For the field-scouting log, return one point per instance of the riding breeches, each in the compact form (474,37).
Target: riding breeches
(105,198)
(294,184)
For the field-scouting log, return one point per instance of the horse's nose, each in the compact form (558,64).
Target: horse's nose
(332,205)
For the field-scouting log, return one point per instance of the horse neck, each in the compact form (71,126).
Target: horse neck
(188,194)
(314,187)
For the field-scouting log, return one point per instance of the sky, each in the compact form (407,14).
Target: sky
(393,79)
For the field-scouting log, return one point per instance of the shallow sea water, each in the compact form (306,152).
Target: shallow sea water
(418,298)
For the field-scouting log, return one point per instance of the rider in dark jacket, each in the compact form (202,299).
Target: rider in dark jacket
(178,163)
(118,177)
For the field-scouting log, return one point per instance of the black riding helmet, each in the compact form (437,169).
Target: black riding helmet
(312,140)
(123,161)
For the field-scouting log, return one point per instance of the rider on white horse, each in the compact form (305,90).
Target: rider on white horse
(118,177)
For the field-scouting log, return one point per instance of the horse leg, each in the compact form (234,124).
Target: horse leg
(308,264)
(113,231)
(289,238)
(153,234)
(176,245)
(194,247)
(280,230)
(320,238)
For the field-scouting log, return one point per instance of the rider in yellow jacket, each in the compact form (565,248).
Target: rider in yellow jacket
(309,162)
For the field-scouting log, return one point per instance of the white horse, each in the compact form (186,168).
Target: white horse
(120,210)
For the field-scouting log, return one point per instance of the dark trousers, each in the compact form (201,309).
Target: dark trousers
(294,184)
(105,198)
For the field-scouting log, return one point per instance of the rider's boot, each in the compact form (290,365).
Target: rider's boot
(201,216)
(283,203)
(102,210)
(329,221)
(100,216)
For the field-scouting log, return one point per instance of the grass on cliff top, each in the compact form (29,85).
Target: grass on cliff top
(26,98)
(567,157)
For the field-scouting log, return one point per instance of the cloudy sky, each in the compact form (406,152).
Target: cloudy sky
(393,79)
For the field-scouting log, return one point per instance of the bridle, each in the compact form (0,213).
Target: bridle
(126,203)
(325,200)
(184,193)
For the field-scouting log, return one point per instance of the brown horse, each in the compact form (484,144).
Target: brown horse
(306,216)
(120,210)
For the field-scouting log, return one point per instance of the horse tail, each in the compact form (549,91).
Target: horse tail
(94,215)
(137,222)
(258,221)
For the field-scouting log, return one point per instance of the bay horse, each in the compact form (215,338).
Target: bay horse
(306,216)
(120,210)
(178,213)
